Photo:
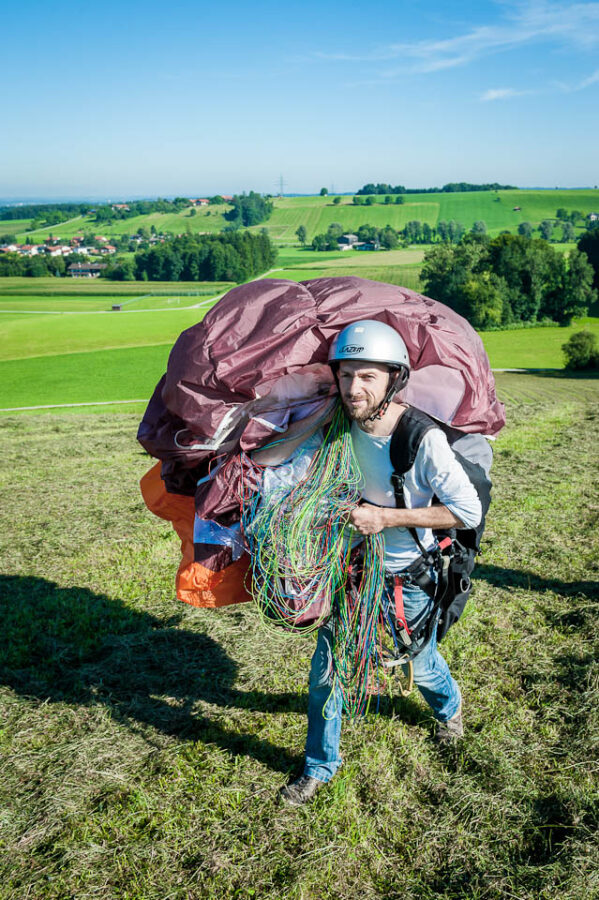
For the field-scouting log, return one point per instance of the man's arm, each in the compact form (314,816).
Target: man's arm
(369,519)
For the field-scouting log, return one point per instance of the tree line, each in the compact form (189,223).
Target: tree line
(13,264)
(451,187)
(232,256)
(45,210)
(511,279)
(413,232)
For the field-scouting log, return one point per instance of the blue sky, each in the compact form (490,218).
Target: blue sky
(145,99)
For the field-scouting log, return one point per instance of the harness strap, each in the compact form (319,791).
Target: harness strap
(400,613)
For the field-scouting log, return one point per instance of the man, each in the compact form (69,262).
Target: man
(371,365)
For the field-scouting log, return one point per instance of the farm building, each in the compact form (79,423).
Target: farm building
(86,270)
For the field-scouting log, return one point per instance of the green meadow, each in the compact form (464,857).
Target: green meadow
(496,209)
(143,742)
(57,349)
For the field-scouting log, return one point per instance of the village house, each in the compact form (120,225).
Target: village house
(58,250)
(593,217)
(86,270)
(120,207)
(347,241)
(202,201)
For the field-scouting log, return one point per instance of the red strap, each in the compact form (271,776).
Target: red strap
(400,614)
(445,543)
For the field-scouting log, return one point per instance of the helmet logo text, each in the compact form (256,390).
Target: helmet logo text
(351,348)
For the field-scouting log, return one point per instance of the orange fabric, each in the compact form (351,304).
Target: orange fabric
(195,583)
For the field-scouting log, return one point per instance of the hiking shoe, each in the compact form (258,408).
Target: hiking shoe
(301,790)
(450,731)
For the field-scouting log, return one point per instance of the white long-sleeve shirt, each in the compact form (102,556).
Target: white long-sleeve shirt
(436,473)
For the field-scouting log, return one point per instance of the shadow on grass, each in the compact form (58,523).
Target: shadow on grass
(506,578)
(71,645)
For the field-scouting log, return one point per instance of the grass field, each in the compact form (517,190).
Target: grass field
(57,349)
(317,213)
(143,742)
(205,220)
(91,287)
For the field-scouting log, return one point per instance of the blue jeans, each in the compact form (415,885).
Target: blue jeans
(431,676)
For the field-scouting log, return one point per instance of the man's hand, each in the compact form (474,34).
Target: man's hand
(368,519)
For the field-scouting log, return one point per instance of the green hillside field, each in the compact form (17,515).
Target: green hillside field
(206,220)
(317,213)
(496,209)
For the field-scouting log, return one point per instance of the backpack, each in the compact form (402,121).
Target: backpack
(457,551)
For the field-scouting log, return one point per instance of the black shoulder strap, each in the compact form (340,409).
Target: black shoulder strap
(405,441)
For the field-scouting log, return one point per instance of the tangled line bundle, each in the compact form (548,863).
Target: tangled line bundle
(300,548)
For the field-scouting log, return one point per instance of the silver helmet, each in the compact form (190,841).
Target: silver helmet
(370,341)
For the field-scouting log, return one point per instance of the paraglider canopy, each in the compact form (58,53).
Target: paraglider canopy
(258,360)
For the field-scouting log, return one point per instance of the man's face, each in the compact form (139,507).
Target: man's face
(363,387)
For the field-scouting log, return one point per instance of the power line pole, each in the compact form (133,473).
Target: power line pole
(281,184)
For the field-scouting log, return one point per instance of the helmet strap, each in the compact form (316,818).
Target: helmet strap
(401,376)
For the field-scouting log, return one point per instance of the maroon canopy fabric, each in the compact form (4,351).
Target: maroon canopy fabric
(258,360)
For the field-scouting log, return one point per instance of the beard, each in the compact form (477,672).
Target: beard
(363,413)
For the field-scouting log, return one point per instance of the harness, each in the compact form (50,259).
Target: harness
(451,559)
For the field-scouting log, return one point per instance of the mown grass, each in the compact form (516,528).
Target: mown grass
(91,287)
(143,741)
(41,335)
(100,376)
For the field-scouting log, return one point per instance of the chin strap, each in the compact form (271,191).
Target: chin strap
(397,381)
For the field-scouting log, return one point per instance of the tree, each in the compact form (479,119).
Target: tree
(302,234)
(388,199)
(562,214)
(389,238)
(581,351)
(456,231)
(412,232)
(335,230)
(588,243)
(546,229)
(399,199)
(482,300)
(446,271)
(368,233)
(324,192)
(370,200)
(576,216)
(358,201)
(336,200)
(568,233)
(479,227)
(525,229)
(571,292)
(443,230)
